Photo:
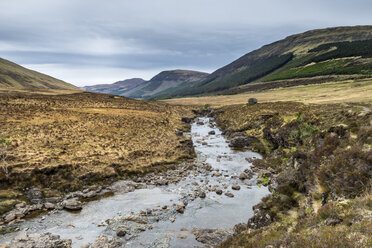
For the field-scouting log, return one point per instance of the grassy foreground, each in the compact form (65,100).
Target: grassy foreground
(318,159)
(333,92)
(61,143)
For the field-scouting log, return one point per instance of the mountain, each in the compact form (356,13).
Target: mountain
(167,80)
(339,50)
(138,88)
(13,76)
(118,88)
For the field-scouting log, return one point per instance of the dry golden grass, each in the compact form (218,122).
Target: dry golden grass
(66,141)
(332,92)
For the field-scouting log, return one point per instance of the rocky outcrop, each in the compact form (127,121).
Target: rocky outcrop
(45,240)
(212,237)
(240,140)
(105,241)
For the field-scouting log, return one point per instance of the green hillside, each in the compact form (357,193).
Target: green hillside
(341,58)
(18,77)
(340,51)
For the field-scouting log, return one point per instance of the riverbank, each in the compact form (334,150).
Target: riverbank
(61,143)
(317,161)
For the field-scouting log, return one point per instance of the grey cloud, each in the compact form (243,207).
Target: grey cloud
(147,34)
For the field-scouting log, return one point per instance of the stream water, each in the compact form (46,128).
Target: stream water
(214,211)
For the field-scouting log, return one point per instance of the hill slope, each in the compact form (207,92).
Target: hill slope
(18,77)
(118,88)
(291,52)
(138,88)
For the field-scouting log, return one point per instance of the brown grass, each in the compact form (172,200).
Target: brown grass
(66,141)
(332,92)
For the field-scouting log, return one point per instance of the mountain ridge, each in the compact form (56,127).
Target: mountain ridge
(163,81)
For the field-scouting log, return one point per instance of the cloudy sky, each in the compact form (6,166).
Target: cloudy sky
(86,42)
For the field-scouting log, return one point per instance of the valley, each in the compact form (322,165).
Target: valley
(271,150)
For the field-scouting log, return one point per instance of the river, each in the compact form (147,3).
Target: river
(213,211)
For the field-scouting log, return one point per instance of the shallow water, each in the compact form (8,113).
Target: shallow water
(215,211)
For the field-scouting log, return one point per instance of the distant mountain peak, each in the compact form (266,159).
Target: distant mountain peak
(139,88)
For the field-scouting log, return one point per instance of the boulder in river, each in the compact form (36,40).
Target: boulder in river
(212,132)
(235,187)
(202,194)
(121,232)
(229,194)
(181,208)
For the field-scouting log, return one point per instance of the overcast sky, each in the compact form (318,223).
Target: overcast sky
(86,42)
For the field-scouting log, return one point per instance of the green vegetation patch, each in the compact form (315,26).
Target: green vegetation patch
(340,66)
(343,49)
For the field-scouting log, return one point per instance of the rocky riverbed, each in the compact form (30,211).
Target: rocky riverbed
(195,205)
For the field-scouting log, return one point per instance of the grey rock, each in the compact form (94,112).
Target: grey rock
(229,194)
(35,195)
(123,186)
(202,194)
(90,194)
(121,232)
(212,132)
(10,217)
(72,204)
(181,208)
(235,187)
(20,205)
(241,141)
(49,205)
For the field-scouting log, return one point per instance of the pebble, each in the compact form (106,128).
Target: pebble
(229,194)
(235,187)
